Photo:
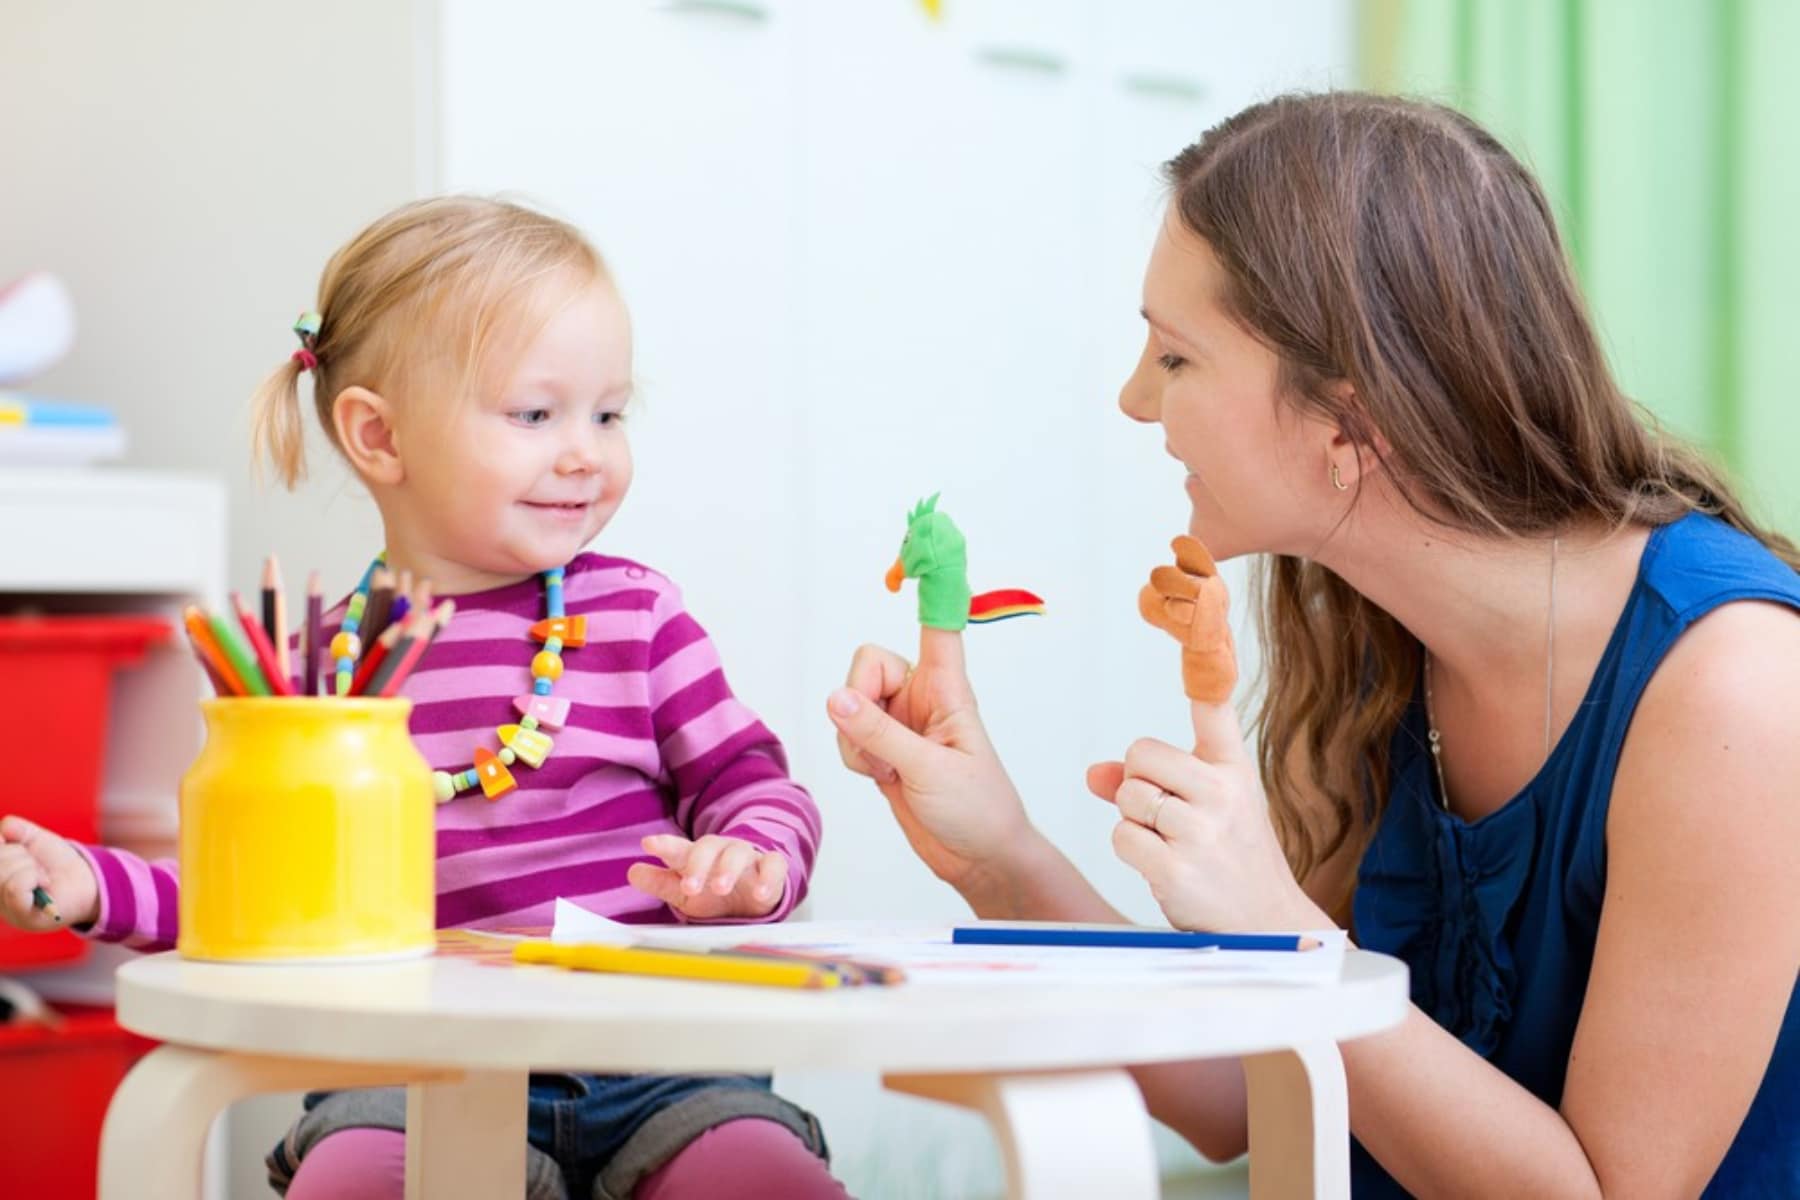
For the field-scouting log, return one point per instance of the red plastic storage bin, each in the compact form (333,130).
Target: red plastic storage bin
(58,1083)
(55,683)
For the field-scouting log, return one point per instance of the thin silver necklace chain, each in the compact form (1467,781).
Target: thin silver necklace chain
(1431,731)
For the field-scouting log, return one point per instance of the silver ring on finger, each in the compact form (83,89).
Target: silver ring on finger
(1162,796)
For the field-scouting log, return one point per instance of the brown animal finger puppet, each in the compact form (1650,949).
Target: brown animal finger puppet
(1189,602)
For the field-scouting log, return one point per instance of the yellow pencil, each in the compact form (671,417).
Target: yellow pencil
(676,964)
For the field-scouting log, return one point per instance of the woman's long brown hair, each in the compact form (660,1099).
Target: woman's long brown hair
(1396,246)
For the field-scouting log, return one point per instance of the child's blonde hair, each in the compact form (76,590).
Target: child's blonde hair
(425,288)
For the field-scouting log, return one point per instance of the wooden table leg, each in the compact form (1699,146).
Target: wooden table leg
(1063,1134)
(465,1137)
(152,1146)
(1299,1124)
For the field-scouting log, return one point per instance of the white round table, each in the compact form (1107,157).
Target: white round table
(1045,1069)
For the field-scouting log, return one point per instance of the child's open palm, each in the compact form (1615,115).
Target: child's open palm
(712,878)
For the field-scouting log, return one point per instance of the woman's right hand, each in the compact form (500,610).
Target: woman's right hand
(915,731)
(33,857)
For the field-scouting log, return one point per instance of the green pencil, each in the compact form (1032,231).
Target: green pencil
(41,899)
(243,662)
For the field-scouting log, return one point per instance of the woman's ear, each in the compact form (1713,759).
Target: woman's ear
(365,432)
(1357,448)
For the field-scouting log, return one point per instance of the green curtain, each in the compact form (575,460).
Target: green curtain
(1667,134)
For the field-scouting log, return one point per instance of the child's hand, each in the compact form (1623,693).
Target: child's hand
(712,878)
(31,857)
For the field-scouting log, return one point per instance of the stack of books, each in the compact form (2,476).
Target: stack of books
(39,432)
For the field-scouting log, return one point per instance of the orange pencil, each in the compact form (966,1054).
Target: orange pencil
(262,648)
(201,634)
(219,686)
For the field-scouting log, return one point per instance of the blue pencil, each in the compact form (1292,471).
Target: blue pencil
(1125,937)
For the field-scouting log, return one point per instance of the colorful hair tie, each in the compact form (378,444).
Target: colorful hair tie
(306,358)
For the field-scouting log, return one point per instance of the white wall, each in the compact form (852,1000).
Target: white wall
(870,256)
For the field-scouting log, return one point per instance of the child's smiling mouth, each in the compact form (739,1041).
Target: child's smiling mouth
(560,509)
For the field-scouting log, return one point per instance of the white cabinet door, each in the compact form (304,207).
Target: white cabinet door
(943,248)
(666,132)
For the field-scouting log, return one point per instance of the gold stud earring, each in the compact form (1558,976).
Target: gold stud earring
(1337,481)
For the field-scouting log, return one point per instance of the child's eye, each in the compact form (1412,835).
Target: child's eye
(1171,363)
(605,419)
(531,416)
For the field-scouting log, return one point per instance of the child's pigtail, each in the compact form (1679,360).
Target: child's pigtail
(278,433)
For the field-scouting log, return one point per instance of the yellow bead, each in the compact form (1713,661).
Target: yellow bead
(546,665)
(346,645)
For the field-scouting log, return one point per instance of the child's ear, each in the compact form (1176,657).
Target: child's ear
(365,432)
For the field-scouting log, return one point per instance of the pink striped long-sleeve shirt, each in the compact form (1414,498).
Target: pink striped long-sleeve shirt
(655,743)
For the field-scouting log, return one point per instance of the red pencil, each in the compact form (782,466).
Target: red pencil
(421,635)
(260,646)
(372,658)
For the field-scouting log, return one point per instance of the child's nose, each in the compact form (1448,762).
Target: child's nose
(579,457)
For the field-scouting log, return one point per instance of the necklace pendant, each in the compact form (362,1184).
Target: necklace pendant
(550,712)
(570,631)
(495,779)
(528,745)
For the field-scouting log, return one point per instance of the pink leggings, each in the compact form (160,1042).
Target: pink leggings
(748,1157)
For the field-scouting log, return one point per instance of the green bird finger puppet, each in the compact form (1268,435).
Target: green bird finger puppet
(935,553)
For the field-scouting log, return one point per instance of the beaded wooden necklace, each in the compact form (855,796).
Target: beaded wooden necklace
(524,743)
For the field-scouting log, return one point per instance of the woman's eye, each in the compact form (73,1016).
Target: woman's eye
(531,416)
(1170,362)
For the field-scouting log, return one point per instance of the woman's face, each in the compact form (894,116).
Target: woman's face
(1258,468)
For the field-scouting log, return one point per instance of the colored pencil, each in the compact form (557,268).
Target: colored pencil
(41,899)
(261,649)
(428,624)
(854,970)
(380,611)
(372,658)
(200,632)
(275,619)
(677,964)
(311,633)
(219,685)
(238,655)
(410,636)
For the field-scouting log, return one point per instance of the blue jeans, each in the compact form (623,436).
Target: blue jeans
(590,1135)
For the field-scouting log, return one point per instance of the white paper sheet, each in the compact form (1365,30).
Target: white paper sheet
(924,950)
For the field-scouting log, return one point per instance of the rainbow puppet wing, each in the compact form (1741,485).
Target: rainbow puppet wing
(1003,605)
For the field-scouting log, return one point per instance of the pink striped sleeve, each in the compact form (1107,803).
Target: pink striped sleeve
(730,771)
(137,899)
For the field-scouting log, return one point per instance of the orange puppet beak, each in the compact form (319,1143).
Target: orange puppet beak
(895,574)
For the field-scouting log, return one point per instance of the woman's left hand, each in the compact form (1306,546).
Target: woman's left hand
(1197,828)
(714,878)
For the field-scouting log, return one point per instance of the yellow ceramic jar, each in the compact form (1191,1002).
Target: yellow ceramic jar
(307,833)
